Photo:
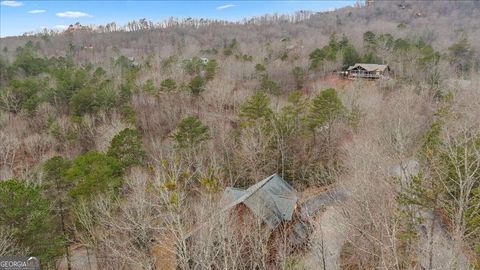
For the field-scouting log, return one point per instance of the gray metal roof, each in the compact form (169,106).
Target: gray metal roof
(231,194)
(370,67)
(272,199)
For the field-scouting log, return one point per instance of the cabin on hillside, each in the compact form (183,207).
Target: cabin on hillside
(368,71)
(269,206)
(272,200)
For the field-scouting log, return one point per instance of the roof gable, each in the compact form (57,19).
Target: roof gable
(272,199)
(231,195)
(369,67)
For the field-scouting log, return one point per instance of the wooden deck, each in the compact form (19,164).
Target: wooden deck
(366,76)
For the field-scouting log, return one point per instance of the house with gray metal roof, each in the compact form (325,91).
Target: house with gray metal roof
(273,200)
(368,71)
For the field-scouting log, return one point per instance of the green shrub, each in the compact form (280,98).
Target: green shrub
(6,71)
(190,133)
(211,69)
(370,41)
(401,45)
(90,100)
(260,68)
(29,63)
(168,85)
(325,108)
(167,63)
(231,47)
(244,57)
(128,114)
(127,147)
(350,56)
(256,107)
(94,173)
(126,92)
(149,87)
(299,75)
(227,51)
(22,202)
(461,55)
(25,212)
(129,68)
(428,56)
(316,58)
(99,73)
(56,187)
(21,95)
(67,82)
(270,86)
(193,66)
(125,62)
(370,58)
(328,52)
(54,172)
(197,85)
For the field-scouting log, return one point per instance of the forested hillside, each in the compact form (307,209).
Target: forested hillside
(116,142)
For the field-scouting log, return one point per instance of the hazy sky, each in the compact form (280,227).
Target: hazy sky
(17,17)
